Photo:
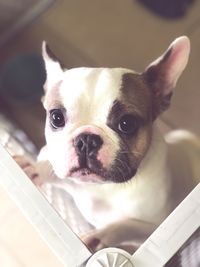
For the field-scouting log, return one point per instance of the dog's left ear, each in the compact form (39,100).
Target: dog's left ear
(162,74)
(54,68)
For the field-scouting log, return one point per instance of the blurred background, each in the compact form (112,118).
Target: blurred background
(95,33)
(128,33)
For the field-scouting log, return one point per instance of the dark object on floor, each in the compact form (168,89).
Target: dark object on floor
(22,78)
(189,254)
(171,9)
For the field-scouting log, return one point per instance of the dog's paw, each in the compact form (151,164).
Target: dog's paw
(99,239)
(29,168)
(94,241)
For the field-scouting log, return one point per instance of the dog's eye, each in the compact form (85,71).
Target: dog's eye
(57,119)
(128,124)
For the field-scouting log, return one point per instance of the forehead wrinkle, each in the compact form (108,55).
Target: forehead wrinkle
(107,90)
(91,90)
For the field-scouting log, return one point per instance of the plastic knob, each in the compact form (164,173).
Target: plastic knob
(110,257)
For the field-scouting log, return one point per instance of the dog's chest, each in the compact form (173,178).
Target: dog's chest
(101,207)
(107,204)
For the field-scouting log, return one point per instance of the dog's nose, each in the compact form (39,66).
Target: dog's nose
(87,144)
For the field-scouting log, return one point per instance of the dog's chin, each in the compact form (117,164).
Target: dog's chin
(85,175)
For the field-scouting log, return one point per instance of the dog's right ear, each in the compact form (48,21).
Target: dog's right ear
(54,69)
(163,73)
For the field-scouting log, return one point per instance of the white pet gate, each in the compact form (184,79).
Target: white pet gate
(157,250)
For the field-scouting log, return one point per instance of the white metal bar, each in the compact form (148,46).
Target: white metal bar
(156,250)
(166,240)
(60,238)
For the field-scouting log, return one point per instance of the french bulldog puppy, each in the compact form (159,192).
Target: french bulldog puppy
(103,142)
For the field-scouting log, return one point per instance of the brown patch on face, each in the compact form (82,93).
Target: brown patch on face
(135,100)
(53,101)
(139,144)
(138,100)
(136,96)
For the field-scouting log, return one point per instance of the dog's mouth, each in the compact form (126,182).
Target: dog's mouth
(92,170)
(82,171)
(117,174)
(88,169)
(86,175)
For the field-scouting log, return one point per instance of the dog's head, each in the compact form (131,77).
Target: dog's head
(99,120)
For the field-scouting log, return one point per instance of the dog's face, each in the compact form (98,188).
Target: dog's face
(98,124)
(99,120)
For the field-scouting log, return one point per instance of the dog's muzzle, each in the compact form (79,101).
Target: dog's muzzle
(87,146)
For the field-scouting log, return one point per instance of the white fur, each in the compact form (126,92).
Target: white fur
(130,211)
(94,88)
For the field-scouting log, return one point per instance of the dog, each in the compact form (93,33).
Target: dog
(103,143)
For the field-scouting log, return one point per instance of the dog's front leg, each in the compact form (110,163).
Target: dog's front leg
(129,231)
(39,172)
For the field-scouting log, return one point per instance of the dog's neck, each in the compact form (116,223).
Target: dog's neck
(154,171)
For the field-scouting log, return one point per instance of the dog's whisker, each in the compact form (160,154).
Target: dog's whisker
(128,152)
(124,167)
